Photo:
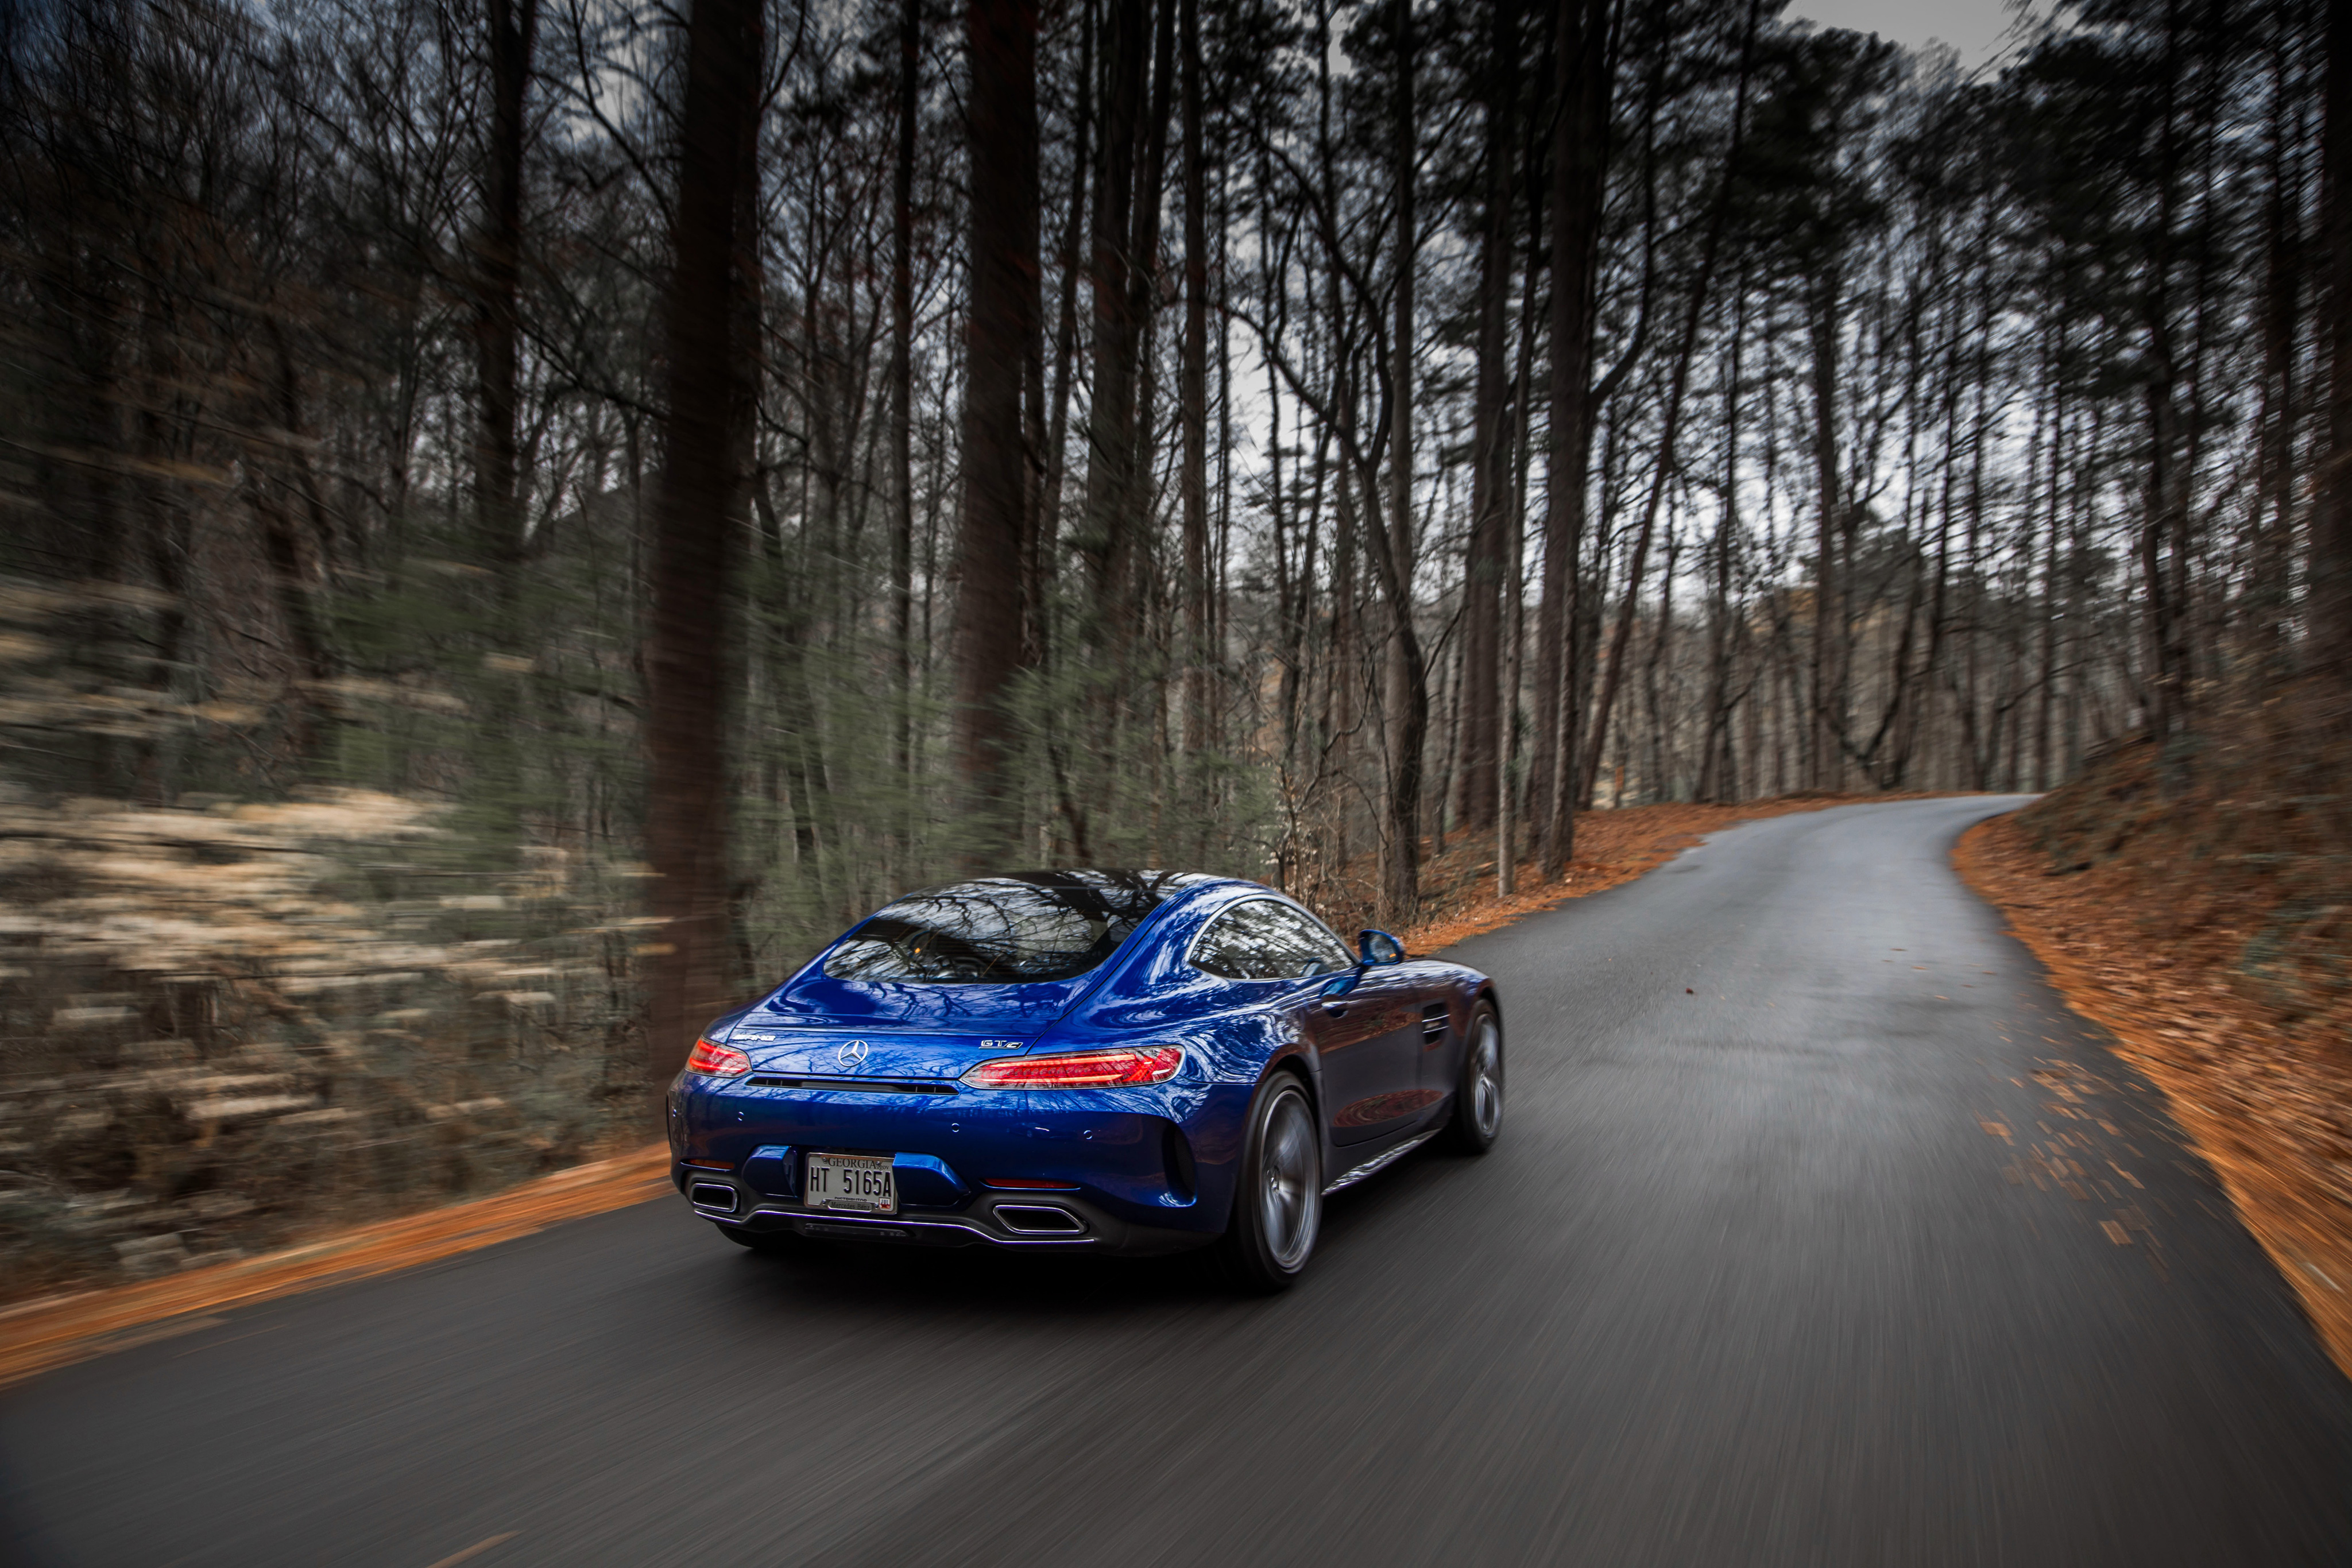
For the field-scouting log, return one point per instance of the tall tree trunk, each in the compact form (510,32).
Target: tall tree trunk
(2281,320)
(1343,680)
(1829,602)
(2167,483)
(1001,37)
(2331,523)
(1110,416)
(1294,590)
(307,618)
(696,540)
(1657,673)
(1408,677)
(1045,525)
(902,423)
(2045,698)
(1579,169)
(1584,641)
(1045,516)
(1192,398)
(497,332)
(497,328)
(1715,746)
(747,303)
(1481,719)
(1143,290)
(1508,798)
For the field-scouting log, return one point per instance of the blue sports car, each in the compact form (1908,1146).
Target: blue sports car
(1103,1061)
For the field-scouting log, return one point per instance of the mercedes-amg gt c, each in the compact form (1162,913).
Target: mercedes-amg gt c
(1100,1060)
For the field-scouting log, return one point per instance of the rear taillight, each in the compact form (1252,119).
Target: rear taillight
(718,1060)
(1120,1069)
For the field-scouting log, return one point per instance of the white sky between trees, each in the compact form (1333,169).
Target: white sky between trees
(1976,28)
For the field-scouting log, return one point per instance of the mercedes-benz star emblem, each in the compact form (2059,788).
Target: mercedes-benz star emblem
(852,1053)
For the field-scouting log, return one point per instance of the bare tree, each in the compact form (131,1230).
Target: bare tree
(2331,533)
(1001,39)
(697,540)
(1583,41)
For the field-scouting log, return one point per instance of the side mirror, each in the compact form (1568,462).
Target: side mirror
(1378,948)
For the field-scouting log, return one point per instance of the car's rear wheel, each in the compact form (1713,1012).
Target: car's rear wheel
(772,1243)
(1478,1095)
(1278,1205)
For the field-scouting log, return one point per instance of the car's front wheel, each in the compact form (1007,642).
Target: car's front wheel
(1278,1206)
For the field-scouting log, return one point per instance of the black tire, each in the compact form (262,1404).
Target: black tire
(1278,1202)
(774,1243)
(1478,1093)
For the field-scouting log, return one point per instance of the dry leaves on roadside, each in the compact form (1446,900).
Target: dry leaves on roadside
(2262,1102)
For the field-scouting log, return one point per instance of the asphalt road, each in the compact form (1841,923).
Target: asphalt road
(1748,1282)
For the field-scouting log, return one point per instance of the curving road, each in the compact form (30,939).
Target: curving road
(1748,1281)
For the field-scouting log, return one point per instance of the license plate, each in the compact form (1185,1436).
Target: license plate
(851,1184)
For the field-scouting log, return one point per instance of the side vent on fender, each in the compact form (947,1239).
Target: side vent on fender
(1176,1161)
(1434,1019)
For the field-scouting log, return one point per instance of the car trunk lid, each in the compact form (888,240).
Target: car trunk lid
(878,1054)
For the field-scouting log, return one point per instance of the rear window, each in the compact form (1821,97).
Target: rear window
(1030,927)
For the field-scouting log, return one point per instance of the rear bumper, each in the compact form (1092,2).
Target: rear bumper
(1014,1221)
(1148,1169)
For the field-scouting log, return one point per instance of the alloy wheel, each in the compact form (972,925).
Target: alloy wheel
(1290,1198)
(1487,1078)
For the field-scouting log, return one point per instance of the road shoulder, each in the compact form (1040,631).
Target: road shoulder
(55,1331)
(2257,1102)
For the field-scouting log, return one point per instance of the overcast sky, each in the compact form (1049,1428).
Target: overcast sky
(1974,28)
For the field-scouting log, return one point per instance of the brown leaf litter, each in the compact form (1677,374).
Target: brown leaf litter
(2263,1099)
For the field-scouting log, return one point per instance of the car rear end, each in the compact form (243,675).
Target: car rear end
(947,1140)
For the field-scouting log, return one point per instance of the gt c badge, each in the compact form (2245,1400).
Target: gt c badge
(852,1053)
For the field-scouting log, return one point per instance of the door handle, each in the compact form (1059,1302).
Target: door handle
(1336,1009)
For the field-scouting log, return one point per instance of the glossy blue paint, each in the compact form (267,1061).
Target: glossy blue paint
(815,999)
(772,1171)
(926,1179)
(1151,1167)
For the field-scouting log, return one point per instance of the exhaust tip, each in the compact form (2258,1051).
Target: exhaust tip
(713,1197)
(1039,1219)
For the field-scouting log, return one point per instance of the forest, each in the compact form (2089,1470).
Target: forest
(525,516)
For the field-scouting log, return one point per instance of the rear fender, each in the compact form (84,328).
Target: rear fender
(1294,1060)
(1239,1051)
